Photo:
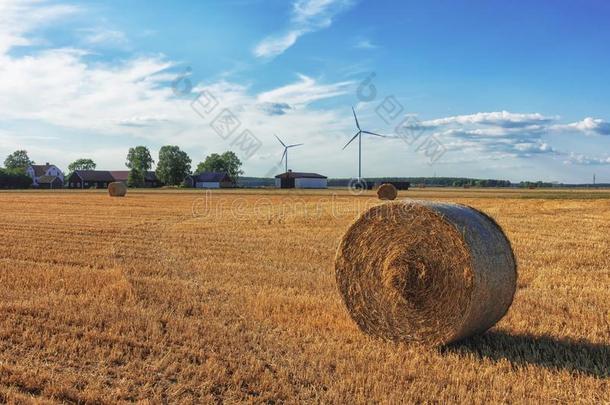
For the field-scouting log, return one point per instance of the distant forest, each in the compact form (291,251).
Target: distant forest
(424,182)
(429,181)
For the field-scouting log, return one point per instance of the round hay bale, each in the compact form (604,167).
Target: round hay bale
(117,189)
(387,191)
(425,272)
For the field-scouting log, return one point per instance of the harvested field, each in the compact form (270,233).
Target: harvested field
(231,296)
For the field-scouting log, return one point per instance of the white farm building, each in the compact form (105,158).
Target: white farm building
(209,180)
(45,176)
(292,179)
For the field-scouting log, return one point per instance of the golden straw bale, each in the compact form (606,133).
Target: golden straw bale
(387,191)
(426,272)
(117,189)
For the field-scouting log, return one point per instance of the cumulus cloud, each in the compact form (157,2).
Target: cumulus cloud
(499,134)
(587,126)
(307,16)
(60,88)
(502,119)
(57,86)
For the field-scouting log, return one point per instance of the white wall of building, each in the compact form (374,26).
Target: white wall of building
(51,171)
(310,183)
(30,172)
(55,172)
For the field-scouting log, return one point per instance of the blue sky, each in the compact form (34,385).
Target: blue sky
(509,90)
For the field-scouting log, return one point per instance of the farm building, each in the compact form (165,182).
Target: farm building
(50,175)
(292,179)
(150,179)
(50,182)
(209,180)
(90,179)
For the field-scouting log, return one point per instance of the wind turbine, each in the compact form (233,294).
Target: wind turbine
(286,147)
(359,136)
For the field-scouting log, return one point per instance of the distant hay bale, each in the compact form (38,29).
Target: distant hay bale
(387,191)
(117,189)
(425,272)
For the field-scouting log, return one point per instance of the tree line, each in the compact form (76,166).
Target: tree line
(430,181)
(173,166)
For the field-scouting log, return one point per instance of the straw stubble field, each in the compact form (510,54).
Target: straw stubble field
(173,296)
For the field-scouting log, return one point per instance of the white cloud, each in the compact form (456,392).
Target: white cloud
(533,147)
(585,160)
(307,16)
(587,126)
(303,92)
(276,45)
(106,107)
(503,119)
(58,87)
(494,135)
(18,18)
(105,37)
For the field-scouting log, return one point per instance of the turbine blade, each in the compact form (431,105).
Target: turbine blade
(284,154)
(351,140)
(280,140)
(356,118)
(372,133)
(297,144)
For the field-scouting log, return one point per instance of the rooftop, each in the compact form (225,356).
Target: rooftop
(300,175)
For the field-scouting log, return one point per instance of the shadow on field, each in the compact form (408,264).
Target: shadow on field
(562,354)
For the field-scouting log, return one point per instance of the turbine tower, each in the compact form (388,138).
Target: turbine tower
(286,147)
(359,136)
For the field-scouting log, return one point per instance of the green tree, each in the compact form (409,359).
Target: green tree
(139,158)
(18,161)
(227,162)
(81,164)
(173,166)
(135,178)
(139,161)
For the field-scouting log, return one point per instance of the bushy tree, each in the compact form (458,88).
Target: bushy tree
(139,158)
(173,165)
(227,162)
(139,161)
(14,178)
(82,164)
(18,160)
(136,178)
